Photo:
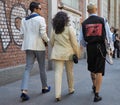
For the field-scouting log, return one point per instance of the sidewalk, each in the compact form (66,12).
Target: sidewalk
(10,93)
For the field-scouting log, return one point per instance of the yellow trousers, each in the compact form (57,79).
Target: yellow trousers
(59,67)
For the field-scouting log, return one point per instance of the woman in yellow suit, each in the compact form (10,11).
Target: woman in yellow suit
(64,44)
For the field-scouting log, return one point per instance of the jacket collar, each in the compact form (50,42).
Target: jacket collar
(93,15)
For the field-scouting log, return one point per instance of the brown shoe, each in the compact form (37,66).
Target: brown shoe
(58,99)
(71,92)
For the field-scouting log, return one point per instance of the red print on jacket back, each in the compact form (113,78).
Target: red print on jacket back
(93,29)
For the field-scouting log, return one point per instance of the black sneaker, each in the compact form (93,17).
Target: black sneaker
(24,97)
(97,98)
(46,90)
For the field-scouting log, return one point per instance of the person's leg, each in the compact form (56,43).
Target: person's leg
(98,81)
(114,53)
(30,58)
(100,67)
(91,60)
(59,65)
(98,86)
(114,50)
(70,76)
(118,52)
(93,78)
(41,61)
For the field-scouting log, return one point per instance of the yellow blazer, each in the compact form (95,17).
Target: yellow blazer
(64,45)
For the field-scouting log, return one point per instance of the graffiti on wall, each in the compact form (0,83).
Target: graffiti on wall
(10,30)
(4,32)
(17,13)
(75,22)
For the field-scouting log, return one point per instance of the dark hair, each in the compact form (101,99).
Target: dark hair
(115,30)
(33,5)
(60,21)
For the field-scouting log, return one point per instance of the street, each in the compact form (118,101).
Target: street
(110,90)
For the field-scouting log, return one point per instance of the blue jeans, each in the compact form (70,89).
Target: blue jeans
(30,59)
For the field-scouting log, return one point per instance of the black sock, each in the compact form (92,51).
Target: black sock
(96,94)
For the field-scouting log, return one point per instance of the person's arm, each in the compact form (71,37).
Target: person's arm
(52,39)
(73,40)
(21,30)
(109,35)
(117,38)
(82,41)
(43,30)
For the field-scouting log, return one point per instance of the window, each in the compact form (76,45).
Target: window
(72,3)
(94,1)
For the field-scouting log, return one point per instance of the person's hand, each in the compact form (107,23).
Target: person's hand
(111,52)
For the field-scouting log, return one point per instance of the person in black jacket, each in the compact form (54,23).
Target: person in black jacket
(94,31)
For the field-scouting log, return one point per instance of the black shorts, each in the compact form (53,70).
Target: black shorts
(95,60)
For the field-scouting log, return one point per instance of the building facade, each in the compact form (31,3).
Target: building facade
(110,9)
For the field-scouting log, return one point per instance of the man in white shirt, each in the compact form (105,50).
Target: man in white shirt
(94,31)
(33,29)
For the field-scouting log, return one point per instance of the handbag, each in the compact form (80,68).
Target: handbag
(75,58)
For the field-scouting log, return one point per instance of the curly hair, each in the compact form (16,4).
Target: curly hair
(60,21)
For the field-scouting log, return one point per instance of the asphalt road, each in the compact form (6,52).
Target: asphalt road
(110,90)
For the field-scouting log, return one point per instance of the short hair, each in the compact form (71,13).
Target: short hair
(91,6)
(33,5)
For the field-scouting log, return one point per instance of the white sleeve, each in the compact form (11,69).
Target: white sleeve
(109,35)
(42,26)
(22,29)
(81,39)
(43,30)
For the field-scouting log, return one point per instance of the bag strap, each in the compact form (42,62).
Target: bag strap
(99,47)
